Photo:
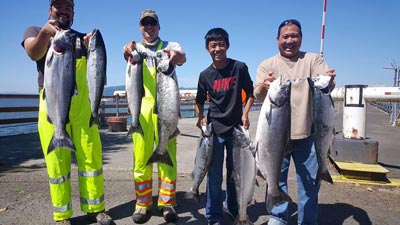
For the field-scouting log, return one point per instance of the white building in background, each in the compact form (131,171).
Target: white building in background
(188,94)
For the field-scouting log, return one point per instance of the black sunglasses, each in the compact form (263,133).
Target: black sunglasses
(148,22)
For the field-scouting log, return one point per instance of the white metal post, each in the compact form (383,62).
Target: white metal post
(370,94)
(393,113)
(321,52)
(354,112)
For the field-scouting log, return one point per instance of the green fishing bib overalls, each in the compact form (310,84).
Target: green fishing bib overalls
(143,147)
(88,153)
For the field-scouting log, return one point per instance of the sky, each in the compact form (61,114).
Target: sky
(361,36)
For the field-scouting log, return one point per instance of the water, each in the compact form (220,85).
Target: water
(20,128)
(25,128)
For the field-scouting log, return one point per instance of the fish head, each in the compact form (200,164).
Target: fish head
(279,92)
(207,129)
(321,81)
(162,61)
(137,57)
(93,40)
(63,40)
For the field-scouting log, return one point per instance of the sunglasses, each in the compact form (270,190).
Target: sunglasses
(148,22)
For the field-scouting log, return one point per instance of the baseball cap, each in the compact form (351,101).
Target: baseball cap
(70,1)
(148,13)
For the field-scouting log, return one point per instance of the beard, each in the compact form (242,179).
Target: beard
(64,25)
(64,21)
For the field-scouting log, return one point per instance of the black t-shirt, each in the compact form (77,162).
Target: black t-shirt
(225,88)
(33,31)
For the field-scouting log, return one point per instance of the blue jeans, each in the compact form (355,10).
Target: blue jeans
(305,160)
(214,204)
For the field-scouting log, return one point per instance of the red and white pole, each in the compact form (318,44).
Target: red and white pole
(321,52)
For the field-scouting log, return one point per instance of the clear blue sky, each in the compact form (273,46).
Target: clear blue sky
(361,36)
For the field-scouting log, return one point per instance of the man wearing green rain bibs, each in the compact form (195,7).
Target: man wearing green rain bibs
(143,144)
(85,139)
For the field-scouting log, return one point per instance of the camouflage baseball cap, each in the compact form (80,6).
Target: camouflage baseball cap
(148,13)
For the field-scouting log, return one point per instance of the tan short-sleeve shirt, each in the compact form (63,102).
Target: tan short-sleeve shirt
(302,66)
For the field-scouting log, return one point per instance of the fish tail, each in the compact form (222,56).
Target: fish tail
(192,195)
(161,158)
(130,130)
(242,222)
(324,175)
(93,120)
(60,143)
(133,129)
(273,200)
(140,130)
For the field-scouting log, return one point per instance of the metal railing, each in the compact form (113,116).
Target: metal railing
(110,106)
(18,109)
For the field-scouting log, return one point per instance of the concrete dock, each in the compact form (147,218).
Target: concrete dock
(24,197)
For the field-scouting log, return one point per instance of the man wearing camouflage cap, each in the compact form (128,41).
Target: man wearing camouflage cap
(143,142)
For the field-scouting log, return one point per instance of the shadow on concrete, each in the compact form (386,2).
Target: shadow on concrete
(333,214)
(328,214)
(389,166)
(19,149)
(336,214)
(126,210)
(122,211)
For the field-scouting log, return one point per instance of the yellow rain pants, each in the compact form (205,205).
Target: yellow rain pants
(88,154)
(143,147)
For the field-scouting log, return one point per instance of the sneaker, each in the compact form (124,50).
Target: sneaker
(141,215)
(169,214)
(101,217)
(63,222)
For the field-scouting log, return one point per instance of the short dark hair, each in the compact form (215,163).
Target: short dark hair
(287,22)
(217,34)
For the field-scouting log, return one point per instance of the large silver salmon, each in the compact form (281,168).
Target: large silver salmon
(244,172)
(167,109)
(134,90)
(96,73)
(323,124)
(272,139)
(201,163)
(59,87)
